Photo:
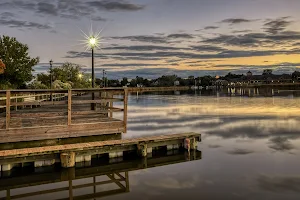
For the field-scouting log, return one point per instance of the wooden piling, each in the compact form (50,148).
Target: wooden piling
(142,149)
(187,145)
(193,143)
(67,159)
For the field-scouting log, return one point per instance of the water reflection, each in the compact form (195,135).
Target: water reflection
(102,179)
(251,142)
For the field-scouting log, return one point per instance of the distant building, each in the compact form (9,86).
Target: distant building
(261,79)
(249,73)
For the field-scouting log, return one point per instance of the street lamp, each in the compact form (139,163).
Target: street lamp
(93,42)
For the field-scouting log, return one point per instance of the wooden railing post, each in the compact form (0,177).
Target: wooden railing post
(125,109)
(7,109)
(69,107)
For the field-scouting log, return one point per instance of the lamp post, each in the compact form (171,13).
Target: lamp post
(92,44)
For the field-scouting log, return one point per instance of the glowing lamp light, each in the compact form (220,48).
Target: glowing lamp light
(79,75)
(92,41)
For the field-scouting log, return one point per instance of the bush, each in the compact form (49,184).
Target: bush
(6,86)
(37,85)
(60,85)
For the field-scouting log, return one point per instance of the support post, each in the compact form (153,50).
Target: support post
(193,144)
(125,109)
(111,104)
(69,107)
(187,144)
(127,181)
(67,159)
(16,101)
(142,150)
(7,109)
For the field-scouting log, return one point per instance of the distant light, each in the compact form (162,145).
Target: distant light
(90,80)
(79,75)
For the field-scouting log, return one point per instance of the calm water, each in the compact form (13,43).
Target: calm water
(250,145)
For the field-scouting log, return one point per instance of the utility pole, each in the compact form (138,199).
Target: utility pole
(103,80)
(51,62)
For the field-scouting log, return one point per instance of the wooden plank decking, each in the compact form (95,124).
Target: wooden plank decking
(93,145)
(65,115)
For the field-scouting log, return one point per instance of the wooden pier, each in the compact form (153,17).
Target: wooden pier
(70,154)
(44,127)
(31,115)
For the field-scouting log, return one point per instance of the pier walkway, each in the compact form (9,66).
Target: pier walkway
(80,152)
(51,114)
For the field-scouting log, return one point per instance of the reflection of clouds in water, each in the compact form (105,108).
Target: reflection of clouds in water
(257,128)
(281,144)
(242,119)
(279,184)
(172,183)
(214,146)
(240,152)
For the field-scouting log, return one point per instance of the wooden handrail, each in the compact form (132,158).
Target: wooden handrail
(63,90)
(106,106)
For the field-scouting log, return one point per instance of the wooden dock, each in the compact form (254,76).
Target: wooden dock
(70,154)
(95,175)
(52,114)
(157,89)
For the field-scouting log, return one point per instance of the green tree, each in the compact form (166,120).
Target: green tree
(267,72)
(44,79)
(17,61)
(124,82)
(68,73)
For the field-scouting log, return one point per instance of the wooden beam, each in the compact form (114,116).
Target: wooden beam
(118,144)
(102,100)
(125,108)
(116,181)
(7,109)
(60,131)
(39,103)
(69,107)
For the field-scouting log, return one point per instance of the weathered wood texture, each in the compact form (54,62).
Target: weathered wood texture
(66,114)
(93,145)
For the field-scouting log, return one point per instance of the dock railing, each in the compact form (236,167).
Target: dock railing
(66,109)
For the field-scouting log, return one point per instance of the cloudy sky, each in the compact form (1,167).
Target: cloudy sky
(150,38)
